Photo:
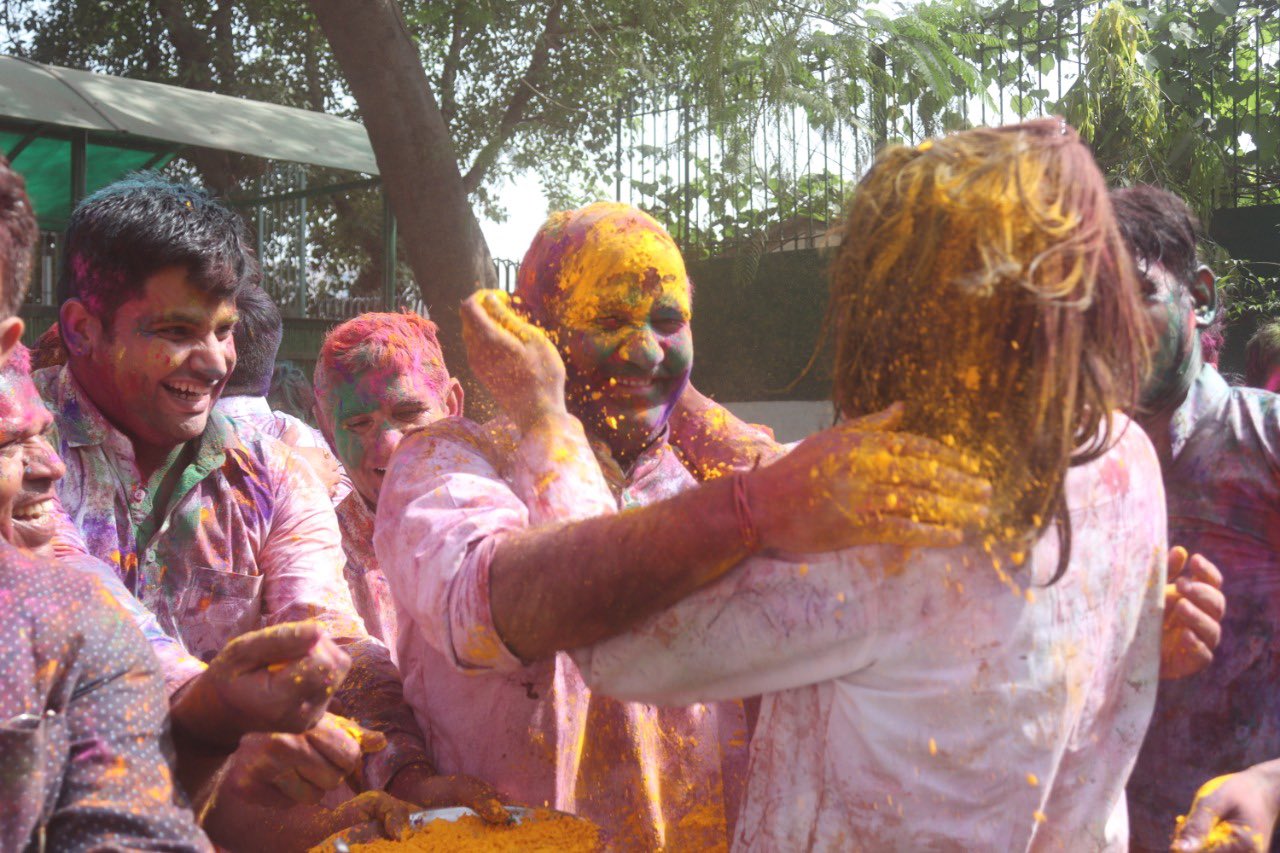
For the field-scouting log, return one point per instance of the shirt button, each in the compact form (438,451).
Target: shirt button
(139,494)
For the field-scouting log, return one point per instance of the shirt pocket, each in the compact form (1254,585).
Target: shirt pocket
(35,750)
(216,607)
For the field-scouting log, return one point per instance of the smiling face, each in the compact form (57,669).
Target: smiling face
(29,467)
(365,419)
(157,371)
(621,319)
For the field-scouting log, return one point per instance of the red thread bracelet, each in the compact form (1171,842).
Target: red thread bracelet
(742,509)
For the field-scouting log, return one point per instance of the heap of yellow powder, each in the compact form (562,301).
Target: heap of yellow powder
(541,831)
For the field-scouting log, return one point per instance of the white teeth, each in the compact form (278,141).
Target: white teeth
(635,383)
(35,511)
(187,389)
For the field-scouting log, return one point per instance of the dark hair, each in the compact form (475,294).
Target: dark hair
(291,392)
(1158,227)
(126,232)
(258,332)
(18,235)
(1262,355)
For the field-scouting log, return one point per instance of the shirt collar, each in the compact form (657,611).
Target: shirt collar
(648,460)
(82,424)
(1208,393)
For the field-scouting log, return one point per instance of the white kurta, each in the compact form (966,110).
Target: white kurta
(933,699)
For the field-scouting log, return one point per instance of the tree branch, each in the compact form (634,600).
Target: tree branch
(190,44)
(524,92)
(223,41)
(449,70)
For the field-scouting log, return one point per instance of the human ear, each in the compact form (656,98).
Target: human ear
(80,330)
(1204,291)
(453,399)
(10,334)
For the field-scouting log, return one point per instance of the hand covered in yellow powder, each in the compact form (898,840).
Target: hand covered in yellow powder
(514,359)
(368,817)
(862,483)
(279,679)
(1193,611)
(285,768)
(1233,813)
(418,784)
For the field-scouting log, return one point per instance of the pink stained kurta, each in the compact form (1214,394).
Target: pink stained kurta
(247,539)
(368,585)
(932,699)
(651,777)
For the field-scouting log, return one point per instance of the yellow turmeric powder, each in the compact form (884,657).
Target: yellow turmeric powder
(542,831)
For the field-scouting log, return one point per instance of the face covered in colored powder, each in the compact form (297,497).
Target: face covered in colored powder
(29,467)
(158,370)
(621,318)
(1172,310)
(371,413)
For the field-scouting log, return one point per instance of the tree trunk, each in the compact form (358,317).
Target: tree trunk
(420,175)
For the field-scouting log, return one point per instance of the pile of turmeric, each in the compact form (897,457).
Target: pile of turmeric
(542,831)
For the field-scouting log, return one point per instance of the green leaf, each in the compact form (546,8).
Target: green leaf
(1225,7)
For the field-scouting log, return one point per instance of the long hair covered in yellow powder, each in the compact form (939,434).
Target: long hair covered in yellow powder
(982,280)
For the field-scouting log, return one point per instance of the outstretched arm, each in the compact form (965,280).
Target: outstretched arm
(555,587)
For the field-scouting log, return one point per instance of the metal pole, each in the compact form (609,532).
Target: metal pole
(79,166)
(388,256)
(302,248)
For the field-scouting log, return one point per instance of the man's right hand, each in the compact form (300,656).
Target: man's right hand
(514,359)
(279,679)
(1233,813)
(861,483)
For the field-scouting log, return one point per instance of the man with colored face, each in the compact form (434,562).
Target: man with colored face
(1219,451)
(82,712)
(379,376)
(508,543)
(275,681)
(216,532)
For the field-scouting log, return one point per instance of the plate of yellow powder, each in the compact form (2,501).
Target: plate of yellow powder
(461,829)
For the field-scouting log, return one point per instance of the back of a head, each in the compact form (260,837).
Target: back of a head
(257,334)
(1262,356)
(126,232)
(383,343)
(291,392)
(1158,227)
(18,236)
(983,282)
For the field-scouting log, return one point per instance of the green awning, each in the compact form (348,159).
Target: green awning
(45,163)
(49,114)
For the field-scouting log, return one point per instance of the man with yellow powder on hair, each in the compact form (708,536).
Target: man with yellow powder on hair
(572,519)
(984,695)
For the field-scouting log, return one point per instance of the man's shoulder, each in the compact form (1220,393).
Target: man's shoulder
(495,439)
(1249,419)
(53,595)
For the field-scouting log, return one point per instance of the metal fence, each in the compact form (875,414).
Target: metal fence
(778,179)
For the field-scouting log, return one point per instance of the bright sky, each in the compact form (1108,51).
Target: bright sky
(526,211)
